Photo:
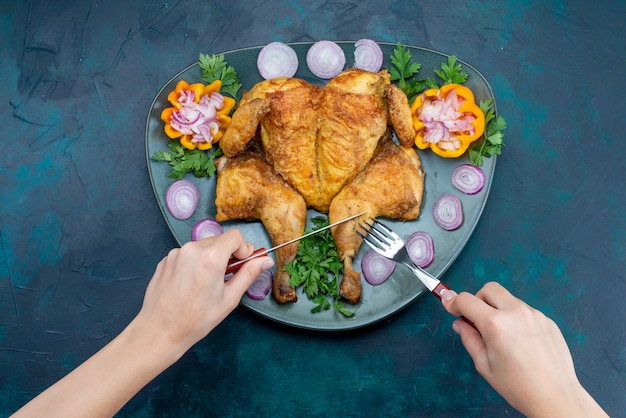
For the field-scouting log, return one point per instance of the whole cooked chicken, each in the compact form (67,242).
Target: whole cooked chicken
(248,188)
(327,143)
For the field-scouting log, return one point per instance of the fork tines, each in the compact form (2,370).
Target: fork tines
(377,234)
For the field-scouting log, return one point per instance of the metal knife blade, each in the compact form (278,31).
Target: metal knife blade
(235,264)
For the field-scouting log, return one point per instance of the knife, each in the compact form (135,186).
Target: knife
(235,264)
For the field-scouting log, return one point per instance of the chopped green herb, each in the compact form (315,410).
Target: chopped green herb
(200,163)
(214,67)
(317,267)
(493,141)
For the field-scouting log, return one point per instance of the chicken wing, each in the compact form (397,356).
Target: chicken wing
(248,188)
(400,115)
(390,186)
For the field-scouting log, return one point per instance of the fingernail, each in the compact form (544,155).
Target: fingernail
(447,295)
(455,327)
(268,264)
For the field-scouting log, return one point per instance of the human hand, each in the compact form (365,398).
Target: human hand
(520,352)
(185,299)
(187,296)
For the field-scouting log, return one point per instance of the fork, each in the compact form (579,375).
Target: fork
(387,243)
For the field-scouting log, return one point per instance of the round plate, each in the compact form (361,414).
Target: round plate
(402,287)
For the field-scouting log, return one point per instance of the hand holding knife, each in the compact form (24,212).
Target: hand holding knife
(235,264)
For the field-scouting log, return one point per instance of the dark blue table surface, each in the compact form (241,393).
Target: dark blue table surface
(81,232)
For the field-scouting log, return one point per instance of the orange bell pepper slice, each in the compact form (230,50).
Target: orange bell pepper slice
(199,90)
(455,141)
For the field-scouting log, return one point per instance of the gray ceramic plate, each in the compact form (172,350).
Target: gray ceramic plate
(377,302)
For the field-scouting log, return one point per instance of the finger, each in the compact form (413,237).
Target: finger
(231,242)
(473,343)
(244,249)
(247,274)
(466,305)
(496,295)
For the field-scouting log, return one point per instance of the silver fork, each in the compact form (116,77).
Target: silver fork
(387,243)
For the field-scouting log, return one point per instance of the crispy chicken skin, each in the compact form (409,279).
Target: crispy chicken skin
(286,110)
(290,143)
(319,138)
(248,188)
(390,186)
(353,117)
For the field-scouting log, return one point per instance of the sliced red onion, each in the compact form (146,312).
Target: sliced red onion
(186,117)
(325,59)
(421,248)
(261,286)
(468,178)
(198,119)
(376,269)
(367,55)
(448,212)
(181,199)
(443,121)
(207,227)
(277,59)
(216,100)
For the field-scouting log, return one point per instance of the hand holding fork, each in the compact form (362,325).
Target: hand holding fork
(387,243)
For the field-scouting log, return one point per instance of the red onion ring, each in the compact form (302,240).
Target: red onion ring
(277,59)
(260,288)
(448,212)
(468,178)
(376,269)
(367,55)
(325,59)
(181,199)
(207,227)
(421,248)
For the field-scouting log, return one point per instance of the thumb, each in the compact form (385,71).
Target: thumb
(247,274)
(447,300)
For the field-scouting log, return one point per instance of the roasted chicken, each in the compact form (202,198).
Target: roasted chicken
(248,188)
(319,138)
(327,143)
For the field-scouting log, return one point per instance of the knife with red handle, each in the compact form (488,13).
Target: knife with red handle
(235,264)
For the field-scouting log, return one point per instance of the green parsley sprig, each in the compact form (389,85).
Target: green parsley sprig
(493,141)
(200,163)
(403,72)
(214,67)
(317,267)
(451,72)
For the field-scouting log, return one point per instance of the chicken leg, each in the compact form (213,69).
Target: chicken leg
(390,186)
(248,188)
